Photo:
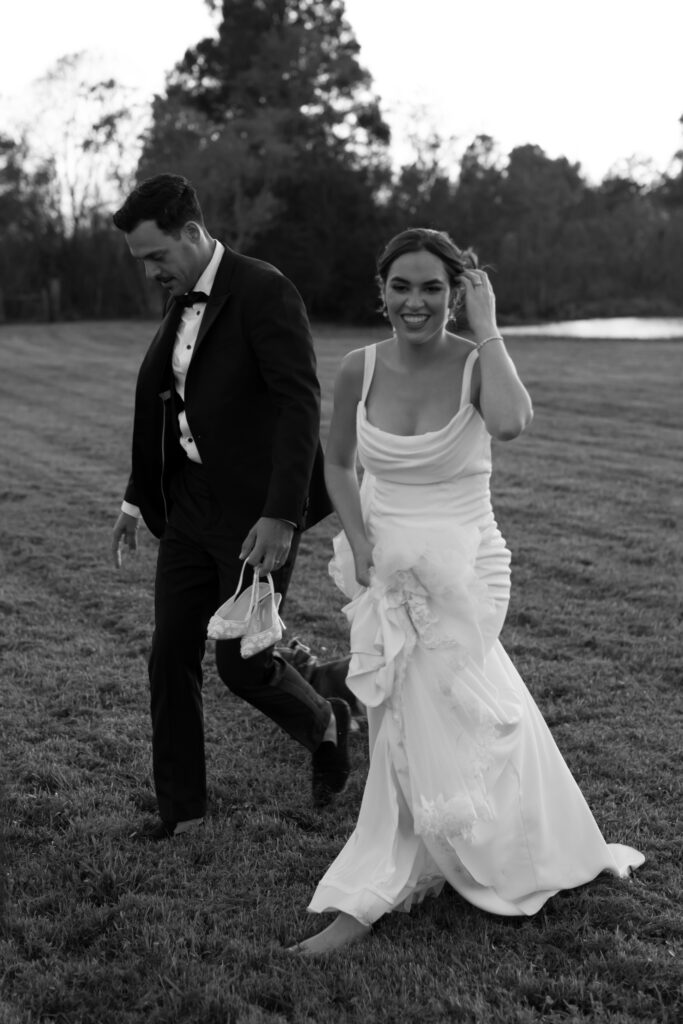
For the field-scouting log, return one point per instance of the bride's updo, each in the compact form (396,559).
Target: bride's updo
(440,244)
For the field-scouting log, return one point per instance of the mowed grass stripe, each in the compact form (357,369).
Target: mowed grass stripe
(99,929)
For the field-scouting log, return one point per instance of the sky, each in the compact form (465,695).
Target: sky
(597,81)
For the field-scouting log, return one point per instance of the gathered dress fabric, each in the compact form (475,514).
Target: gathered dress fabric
(465,783)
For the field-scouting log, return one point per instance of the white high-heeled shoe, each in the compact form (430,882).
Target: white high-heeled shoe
(233,617)
(265,625)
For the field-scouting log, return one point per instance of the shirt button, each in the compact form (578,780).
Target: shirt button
(188,346)
(190,441)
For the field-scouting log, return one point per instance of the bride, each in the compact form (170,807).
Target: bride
(465,783)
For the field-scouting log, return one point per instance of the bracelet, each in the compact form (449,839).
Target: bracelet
(494,337)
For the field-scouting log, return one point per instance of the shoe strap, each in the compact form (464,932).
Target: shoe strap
(256,598)
(255,583)
(239,582)
(271,594)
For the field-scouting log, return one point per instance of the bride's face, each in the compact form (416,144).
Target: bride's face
(417,295)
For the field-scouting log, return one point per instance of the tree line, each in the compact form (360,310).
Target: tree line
(276,123)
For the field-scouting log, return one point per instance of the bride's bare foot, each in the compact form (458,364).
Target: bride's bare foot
(343,930)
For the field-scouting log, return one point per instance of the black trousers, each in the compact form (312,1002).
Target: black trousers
(197,569)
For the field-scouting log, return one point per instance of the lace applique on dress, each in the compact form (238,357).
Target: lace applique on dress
(450,819)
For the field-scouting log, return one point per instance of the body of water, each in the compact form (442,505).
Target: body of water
(641,328)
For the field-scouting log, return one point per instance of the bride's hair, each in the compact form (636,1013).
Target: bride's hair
(440,244)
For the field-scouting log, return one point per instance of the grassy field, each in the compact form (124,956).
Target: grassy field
(100,930)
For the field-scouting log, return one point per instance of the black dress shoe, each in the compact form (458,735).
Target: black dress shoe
(328,678)
(166,830)
(331,761)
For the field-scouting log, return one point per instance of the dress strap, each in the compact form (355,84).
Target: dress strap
(368,370)
(465,395)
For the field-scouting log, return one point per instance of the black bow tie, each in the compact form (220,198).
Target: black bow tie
(190,298)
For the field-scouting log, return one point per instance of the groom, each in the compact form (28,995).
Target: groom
(226,465)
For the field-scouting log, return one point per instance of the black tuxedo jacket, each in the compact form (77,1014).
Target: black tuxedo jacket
(252,401)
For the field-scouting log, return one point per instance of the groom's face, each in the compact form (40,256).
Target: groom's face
(175,260)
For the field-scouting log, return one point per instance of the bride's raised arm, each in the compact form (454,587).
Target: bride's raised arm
(502,399)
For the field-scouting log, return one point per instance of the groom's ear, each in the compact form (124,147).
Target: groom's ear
(192,231)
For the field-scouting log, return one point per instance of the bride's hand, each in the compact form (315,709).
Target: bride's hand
(480,303)
(362,559)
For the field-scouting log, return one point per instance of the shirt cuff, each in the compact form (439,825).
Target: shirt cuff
(130,510)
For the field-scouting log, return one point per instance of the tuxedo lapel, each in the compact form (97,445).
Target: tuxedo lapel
(159,352)
(220,293)
(213,308)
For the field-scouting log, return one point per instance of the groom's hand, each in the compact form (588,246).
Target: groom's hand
(267,544)
(125,532)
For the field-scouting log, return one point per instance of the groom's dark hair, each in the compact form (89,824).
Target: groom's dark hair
(168,199)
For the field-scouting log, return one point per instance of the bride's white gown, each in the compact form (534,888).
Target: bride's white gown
(465,782)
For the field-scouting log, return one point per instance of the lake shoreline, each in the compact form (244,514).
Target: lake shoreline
(624,328)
